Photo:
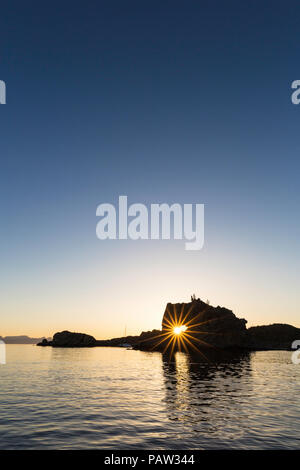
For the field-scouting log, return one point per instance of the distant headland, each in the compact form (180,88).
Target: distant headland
(21,339)
(195,326)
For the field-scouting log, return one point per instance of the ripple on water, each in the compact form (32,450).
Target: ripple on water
(118,399)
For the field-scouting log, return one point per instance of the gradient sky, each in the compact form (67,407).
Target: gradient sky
(163,101)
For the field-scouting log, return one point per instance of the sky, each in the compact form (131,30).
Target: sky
(162,101)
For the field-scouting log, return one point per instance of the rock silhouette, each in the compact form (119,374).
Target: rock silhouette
(206,327)
(66,339)
(276,336)
(215,326)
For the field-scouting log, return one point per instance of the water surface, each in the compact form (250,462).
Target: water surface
(113,398)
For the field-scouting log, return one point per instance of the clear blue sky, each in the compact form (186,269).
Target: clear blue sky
(164,101)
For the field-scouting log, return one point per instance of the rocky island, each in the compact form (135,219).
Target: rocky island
(66,339)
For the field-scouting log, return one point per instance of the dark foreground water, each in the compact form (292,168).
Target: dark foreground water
(112,398)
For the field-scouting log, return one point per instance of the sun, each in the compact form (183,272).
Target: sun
(179,329)
(179,333)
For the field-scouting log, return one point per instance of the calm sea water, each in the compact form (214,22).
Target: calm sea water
(113,398)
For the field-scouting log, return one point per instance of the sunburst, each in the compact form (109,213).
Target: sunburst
(178,330)
(179,334)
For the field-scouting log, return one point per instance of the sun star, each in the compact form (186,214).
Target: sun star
(179,329)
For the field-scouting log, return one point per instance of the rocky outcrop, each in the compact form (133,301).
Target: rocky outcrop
(215,328)
(132,340)
(276,336)
(202,326)
(66,339)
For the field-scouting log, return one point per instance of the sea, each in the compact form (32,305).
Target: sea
(115,398)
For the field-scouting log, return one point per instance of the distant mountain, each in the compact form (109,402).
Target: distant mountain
(22,339)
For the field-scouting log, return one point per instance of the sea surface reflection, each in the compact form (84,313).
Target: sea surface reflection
(209,397)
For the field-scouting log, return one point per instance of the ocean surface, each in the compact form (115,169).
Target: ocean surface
(113,398)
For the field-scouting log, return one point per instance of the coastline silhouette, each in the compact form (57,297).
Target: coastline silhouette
(194,327)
